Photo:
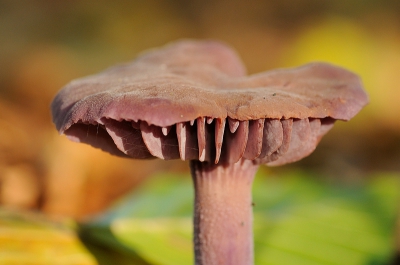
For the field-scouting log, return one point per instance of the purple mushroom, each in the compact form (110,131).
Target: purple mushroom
(192,100)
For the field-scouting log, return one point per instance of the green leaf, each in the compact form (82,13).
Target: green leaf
(297,220)
(158,240)
(30,239)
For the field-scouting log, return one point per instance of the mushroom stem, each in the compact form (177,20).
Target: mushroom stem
(223,217)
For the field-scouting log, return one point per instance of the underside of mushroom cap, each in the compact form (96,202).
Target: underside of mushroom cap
(191,100)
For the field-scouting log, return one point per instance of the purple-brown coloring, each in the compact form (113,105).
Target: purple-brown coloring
(192,100)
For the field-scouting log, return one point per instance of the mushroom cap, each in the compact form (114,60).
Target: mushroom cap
(130,109)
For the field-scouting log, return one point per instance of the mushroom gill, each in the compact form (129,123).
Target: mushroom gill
(266,141)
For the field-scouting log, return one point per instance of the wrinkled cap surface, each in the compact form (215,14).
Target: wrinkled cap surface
(193,100)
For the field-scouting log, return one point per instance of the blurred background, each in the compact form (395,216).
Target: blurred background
(44,44)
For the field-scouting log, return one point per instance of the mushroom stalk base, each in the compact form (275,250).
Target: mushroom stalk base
(223,217)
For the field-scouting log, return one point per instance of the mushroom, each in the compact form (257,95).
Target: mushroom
(192,100)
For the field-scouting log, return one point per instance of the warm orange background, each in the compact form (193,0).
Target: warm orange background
(44,44)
